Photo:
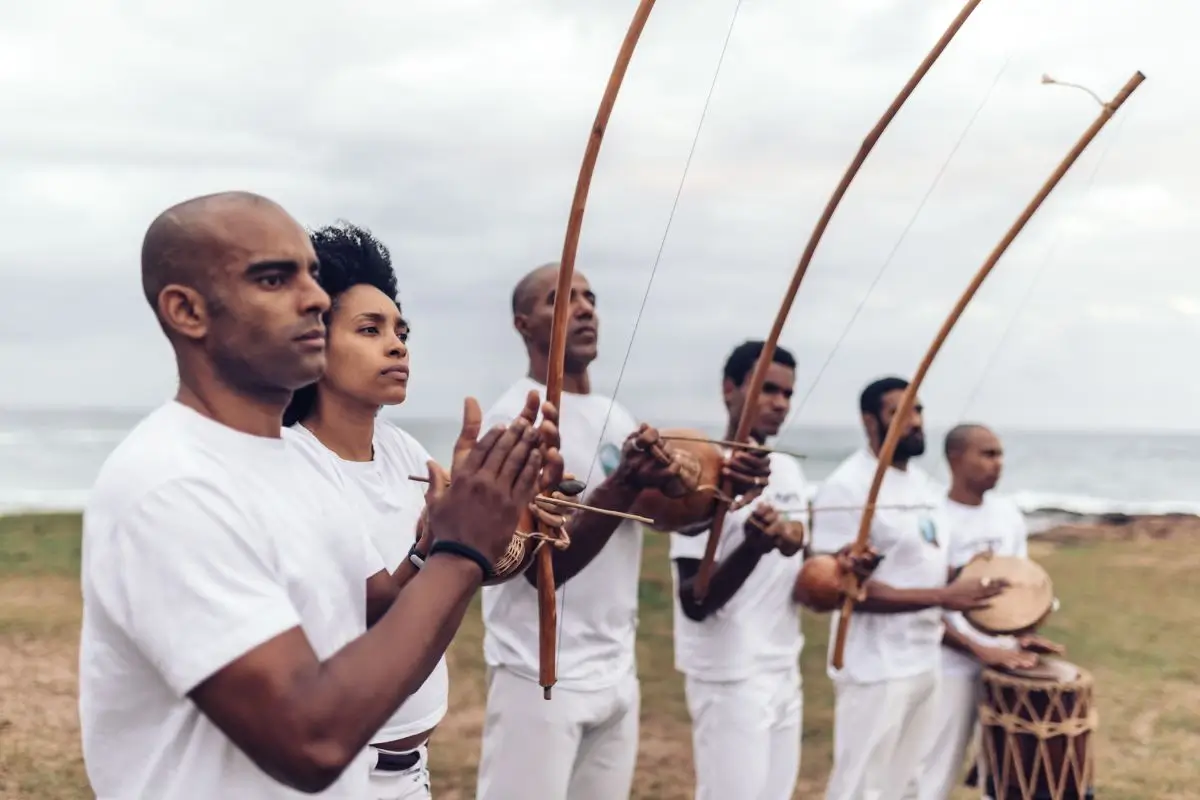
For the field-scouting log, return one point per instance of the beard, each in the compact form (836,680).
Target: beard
(911,446)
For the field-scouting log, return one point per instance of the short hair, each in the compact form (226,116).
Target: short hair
(956,438)
(349,255)
(743,358)
(871,399)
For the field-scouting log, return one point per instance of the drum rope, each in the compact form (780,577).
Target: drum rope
(1042,729)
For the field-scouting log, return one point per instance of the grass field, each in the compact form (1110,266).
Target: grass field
(1129,614)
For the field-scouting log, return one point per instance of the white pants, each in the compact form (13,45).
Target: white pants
(957,718)
(746,736)
(881,731)
(411,784)
(576,746)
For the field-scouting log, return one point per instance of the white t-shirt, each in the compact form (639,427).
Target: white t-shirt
(201,543)
(996,525)
(390,505)
(597,609)
(758,630)
(915,543)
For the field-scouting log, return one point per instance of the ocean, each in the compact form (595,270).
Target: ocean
(49,459)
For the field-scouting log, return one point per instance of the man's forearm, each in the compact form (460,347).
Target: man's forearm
(729,576)
(955,639)
(351,694)
(590,531)
(885,599)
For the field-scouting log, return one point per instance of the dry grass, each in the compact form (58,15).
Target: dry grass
(1128,615)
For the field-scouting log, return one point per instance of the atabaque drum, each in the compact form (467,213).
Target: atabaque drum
(1021,607)
(702,462)
(1036,730)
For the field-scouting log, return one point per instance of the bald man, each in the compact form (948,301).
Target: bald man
(227,585)
(582,744)
(980,521)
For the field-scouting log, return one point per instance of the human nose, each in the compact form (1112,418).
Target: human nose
(313,298)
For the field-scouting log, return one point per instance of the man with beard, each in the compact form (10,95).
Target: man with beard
(887,690)
(982,522)
(581,745)
(227,586)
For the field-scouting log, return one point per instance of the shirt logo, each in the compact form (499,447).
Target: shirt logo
(929,531)
(610,457)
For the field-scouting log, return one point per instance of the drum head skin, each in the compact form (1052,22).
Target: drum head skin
(1049,668)
(1022,606)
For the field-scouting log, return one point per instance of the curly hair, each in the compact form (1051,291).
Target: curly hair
(349,255)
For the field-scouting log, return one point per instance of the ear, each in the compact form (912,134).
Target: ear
(872,427)
(729,391)
(521,325)
(183,311)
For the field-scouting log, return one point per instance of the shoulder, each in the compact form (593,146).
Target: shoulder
(1006,508)
(310,451)
(510,402)
(400,446)
(159,452)
(787,465)
(847,476)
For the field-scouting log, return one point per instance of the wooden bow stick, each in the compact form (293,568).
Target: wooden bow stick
(759,376)
(888,449)
(547,611)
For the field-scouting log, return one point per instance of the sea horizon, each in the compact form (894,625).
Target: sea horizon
(49,457)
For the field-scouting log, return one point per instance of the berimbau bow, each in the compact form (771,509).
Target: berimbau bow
(759,376)
(547,611)
(887,450)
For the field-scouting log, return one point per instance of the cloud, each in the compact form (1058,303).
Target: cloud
(455,130)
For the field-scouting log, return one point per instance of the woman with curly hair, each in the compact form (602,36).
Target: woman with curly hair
(335,423)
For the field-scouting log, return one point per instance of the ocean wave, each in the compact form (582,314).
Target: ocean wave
(25,437)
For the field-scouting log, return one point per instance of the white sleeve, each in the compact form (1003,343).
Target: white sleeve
(189,579)
(834,529)
(1020,532)
(691,547)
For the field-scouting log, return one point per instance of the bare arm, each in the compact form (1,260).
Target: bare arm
(729,576)
(309,719)
(885,599)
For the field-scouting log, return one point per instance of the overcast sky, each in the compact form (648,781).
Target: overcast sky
(454,130)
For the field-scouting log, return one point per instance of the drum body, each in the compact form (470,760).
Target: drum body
(702,462)
(1036,732)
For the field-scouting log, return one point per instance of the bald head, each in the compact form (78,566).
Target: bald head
(188,241)
(232,278)
(532,286)
(976,460)
(961,436)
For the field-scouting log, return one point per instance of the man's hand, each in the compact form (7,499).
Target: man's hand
(764,528)
(1032,643)
(1000,658)
(971,595)
(647,464)
(862,566)
(494,480)
(793,538)
(748,472)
